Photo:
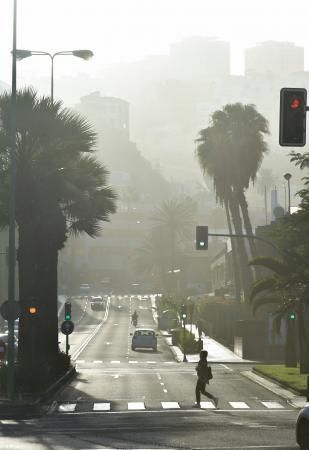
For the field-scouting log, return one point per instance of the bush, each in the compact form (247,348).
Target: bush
(188,341)
(29,380)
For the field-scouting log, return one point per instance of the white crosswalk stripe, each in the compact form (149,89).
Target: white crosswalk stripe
(67,407)
(207,405)
(136,405)
(101,407)
(170,405)
(272,405)
(239,405)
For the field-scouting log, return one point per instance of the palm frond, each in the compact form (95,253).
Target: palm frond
(264,284)
(275,265)
(261,301)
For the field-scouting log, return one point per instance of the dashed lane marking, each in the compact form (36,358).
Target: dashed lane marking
(97,362)
(115,362)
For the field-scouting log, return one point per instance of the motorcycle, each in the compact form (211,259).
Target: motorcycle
(134,321)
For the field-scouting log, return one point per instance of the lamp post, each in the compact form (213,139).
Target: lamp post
(83,54)
(12,202)
(287,177)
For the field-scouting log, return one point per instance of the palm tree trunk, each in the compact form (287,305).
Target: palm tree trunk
(234,253)
(247,223)
(245,272)
(303,343)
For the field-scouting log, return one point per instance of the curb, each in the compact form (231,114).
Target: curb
(283,384)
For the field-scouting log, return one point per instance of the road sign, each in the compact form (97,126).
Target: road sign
(2,350)
(67,327)
(5,308)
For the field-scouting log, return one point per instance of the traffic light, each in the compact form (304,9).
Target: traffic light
(67,311)
(292,129)
(32,310)
(201,237)
(183,312)
(292,315)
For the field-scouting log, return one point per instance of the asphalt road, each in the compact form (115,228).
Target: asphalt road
(143,399)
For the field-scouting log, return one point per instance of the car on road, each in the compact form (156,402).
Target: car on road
(144,338)
(302,428)
(97,302)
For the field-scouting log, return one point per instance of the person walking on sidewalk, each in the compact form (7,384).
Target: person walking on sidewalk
(203,376)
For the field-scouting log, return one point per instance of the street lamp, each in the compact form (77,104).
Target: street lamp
(287,177)
(83,54)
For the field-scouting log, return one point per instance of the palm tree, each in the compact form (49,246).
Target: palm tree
(175,219)
(152,257)
(60,188)
(231,151)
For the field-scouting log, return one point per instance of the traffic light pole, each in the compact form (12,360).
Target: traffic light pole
(184,341)
(249,236)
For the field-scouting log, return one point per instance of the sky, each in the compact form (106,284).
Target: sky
(128,30)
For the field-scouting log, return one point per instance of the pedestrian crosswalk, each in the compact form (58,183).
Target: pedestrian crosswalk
(166,405)
(127,361)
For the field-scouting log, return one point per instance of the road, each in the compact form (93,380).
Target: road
(143,399)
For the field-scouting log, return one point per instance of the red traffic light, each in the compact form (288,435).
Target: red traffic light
(296,102)
(32,310)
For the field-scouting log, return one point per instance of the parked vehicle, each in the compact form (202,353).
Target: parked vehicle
(144,338)
(302,428)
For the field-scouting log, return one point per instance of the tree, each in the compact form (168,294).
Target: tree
(60,188)
(175,219)
(231,151)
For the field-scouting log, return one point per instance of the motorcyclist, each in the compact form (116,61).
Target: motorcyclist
(134,318)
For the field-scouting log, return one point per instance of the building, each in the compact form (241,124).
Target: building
(199,59)
(275,58)
(109,115)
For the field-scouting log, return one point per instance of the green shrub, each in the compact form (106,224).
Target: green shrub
(188,341)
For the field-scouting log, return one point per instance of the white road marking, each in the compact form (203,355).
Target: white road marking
(67,407)
(159,376)
(207,405)
(227,368)
(133,362)
(136,405)
(80,361)
(239,405)
(151,362)
(9,422)
(116,376)
(96,361)
(115,362)
(165,391)
(101,407)
(115,324)
(162,384)
(108,343)
(170,405)
(273,405)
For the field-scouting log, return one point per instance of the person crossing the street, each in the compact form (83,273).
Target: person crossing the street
(203,376)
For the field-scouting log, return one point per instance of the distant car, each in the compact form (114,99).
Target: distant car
(302,428)
(144,338)
(84,288)
(97,302)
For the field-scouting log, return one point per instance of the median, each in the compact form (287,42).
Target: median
(288,377)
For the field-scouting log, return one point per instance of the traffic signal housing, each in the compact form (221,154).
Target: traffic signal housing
(292,129)
(67,311)
(201,237)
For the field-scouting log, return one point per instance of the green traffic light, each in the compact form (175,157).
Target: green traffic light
(68,317)
(292,316)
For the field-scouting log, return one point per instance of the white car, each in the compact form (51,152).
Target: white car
(144,338)
(302,428)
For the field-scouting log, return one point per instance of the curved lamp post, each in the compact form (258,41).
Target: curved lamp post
(83,54)
(287,177)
